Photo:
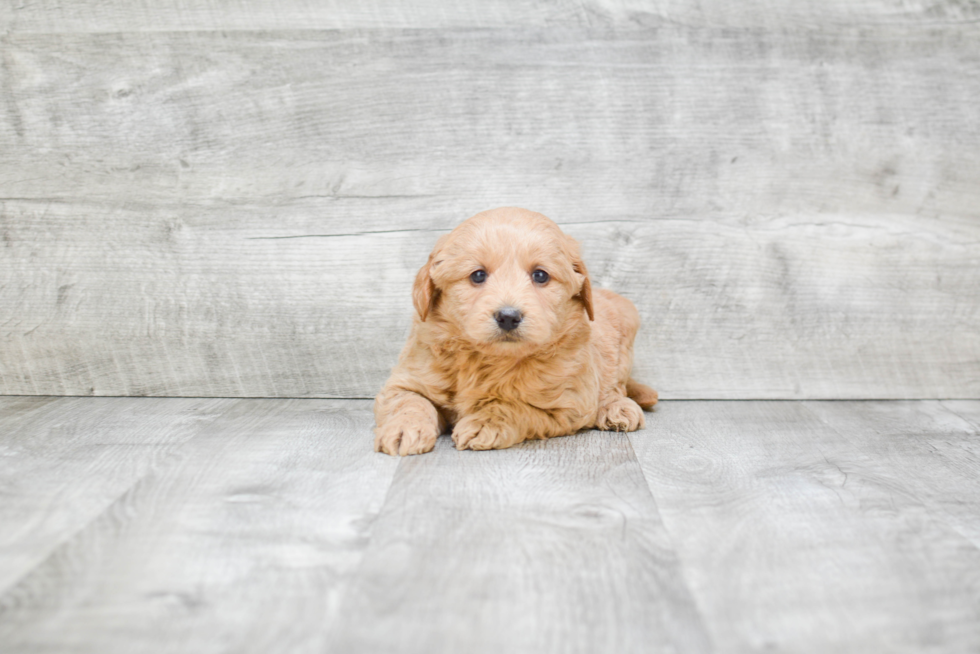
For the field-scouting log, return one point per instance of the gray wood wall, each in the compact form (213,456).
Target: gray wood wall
(214,198)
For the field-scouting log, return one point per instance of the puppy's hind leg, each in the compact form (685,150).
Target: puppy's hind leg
(620,413)
(407,423)
(643,395)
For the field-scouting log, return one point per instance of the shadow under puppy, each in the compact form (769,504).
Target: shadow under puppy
(510,343)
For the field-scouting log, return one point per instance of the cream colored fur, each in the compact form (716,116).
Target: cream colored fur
(565,368)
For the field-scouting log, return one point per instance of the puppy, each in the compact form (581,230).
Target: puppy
(510,343)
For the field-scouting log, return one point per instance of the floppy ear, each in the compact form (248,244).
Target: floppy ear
(585,292)
(424,292)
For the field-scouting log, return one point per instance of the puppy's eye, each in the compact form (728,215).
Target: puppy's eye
(478,276)
(540,276)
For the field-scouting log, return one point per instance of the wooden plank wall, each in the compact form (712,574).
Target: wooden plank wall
(212,198)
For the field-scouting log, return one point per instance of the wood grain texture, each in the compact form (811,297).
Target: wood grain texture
(64,461)
(187,525)
(934,450)
(810,307)
(634,124)
(794,210)
(241,544)
(167,15)
(969,410)
(551,546)
(798,534)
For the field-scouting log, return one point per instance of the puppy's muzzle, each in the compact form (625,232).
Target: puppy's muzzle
(508,318)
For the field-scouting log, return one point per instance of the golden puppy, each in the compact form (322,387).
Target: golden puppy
(510,343)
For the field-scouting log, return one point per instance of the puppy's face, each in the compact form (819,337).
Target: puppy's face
(506,280)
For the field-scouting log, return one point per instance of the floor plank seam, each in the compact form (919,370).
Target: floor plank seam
(68,539)
(356,571)
(967,420)
(681,572)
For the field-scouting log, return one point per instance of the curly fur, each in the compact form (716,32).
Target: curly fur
(566,366)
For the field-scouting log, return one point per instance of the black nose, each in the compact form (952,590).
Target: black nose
(508,318)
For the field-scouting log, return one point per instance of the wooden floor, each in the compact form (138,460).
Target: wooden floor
(247,525)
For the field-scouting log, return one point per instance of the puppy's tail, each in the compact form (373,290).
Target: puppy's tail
(645,396)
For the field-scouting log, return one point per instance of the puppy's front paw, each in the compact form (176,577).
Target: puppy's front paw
(404,436)
(622,414)
(476,434)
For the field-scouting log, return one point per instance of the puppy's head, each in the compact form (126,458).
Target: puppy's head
(506,280)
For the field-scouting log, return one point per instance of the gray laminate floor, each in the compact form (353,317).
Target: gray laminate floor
(217,525)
